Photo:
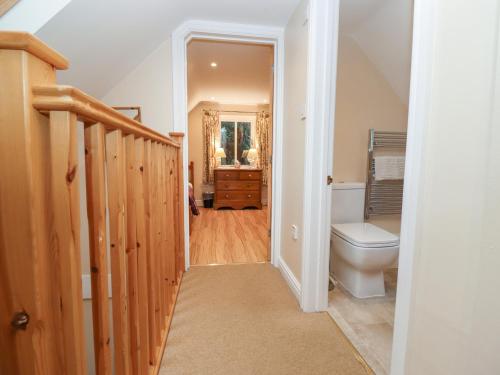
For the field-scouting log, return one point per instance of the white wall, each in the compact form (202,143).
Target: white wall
(31,15)
(149,85)
(385,37)
(364,100)
(454,325)
(296,40)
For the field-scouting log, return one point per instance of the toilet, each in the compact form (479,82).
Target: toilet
(360,252)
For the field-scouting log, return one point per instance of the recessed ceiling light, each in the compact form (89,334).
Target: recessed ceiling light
(212,98)
(213,64)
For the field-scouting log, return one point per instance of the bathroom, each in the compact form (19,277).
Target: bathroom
(371,114)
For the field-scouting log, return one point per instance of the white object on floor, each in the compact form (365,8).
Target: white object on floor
(389,167)
(360,254)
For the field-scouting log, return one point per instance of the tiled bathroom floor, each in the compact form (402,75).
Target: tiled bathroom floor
(368,323)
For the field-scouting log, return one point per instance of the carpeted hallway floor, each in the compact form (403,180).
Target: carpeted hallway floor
(243,319)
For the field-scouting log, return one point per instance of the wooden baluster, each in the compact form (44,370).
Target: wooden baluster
(96,211)
(135,345)
(171,239)
(159,308)
(165,230)
(115,163)
(180,201)
(149,221)
(177,232)
(142,262)
(66,235)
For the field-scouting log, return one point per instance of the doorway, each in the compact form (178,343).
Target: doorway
(259,221)
(371,118)
(230,89)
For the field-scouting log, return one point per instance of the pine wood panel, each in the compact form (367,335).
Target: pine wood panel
(151,275)
(159,309)
(91,110)
(141,185)
(115,162)
(96,212)
(27,272)
(180,229)
(65,232)
(23,41)
(142,262)
(135,343)
(163,230)
(170,207)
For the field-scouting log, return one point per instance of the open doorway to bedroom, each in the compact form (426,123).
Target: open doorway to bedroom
(230,131)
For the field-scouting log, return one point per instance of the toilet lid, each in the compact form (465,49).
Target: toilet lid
(365,235)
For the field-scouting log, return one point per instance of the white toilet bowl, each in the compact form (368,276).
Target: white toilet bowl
(360,254)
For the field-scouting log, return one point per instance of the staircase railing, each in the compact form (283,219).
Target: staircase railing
(133,190)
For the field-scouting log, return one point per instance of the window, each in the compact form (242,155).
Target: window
(236,135)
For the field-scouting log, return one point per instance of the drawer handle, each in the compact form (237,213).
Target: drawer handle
(227,195)
(249,175)
(227,175)
(249,195)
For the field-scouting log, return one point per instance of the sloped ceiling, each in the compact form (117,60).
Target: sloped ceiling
(104,40)
(243,74)
(31,15)
(383,30)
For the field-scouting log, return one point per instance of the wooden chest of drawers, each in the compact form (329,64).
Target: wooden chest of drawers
(238,188)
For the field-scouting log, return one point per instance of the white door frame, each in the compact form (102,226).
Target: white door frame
(424,17)
(318,163)
(246,34)
(316,250)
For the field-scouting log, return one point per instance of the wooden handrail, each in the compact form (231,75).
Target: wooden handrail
(17,40)
(91,110)
(134,196)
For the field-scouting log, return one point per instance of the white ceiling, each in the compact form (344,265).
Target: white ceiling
(106,39)
(243,74)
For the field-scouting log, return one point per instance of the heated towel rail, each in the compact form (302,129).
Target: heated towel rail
(383,197)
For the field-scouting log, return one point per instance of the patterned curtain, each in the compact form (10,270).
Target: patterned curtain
(211,140)
(263,127)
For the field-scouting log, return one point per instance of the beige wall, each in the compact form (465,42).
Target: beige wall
(296,35)
(455,305)
(364,100)
(195,140)
(149,85)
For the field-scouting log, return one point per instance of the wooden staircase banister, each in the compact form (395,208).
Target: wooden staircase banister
(18,40)
(91,110)
(135,213)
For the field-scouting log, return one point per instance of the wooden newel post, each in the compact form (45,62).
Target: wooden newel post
(180,229)
(40,287)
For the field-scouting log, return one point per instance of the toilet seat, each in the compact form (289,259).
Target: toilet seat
(365,235)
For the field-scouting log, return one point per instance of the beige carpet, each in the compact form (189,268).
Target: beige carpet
(243,319)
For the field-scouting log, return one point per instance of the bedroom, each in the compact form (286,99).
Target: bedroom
(230,93)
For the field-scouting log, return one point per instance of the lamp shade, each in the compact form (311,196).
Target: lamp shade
(219,153)
(252,154)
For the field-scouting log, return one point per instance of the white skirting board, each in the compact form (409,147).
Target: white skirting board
(87,288)
(290,278)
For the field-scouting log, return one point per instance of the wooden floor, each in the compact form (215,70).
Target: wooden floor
(229,236)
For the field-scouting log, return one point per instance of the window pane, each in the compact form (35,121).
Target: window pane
(227,141)
(244,141)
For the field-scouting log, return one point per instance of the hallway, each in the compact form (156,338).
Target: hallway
(243,319)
